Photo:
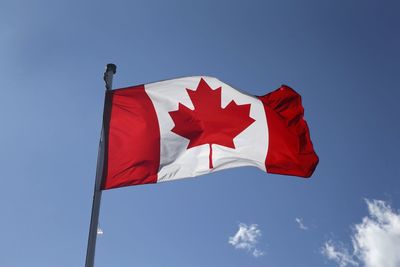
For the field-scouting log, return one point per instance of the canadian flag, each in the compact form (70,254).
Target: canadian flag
(191,126)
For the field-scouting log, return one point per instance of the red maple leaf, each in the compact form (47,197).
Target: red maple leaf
(208,123)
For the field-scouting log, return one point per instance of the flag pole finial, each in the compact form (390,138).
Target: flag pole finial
(111,69)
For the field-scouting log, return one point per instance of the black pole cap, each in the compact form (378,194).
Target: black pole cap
(111,67)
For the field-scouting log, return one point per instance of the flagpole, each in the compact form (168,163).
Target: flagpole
(94,220)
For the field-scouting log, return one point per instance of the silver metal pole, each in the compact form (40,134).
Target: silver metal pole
(94,220)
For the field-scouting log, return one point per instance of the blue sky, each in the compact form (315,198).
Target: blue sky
(341,56)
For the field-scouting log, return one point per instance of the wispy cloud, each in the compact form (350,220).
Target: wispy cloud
(246,238)
(301,224)
(375,241)
(257,253)
(338,253)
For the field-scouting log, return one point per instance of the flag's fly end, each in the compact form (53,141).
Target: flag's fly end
(290,151)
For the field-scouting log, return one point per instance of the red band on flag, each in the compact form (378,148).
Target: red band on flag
(290,150)
(132,153)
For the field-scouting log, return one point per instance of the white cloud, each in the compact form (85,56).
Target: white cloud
(246,238)
(375,241)
(338,253)
(301,224)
